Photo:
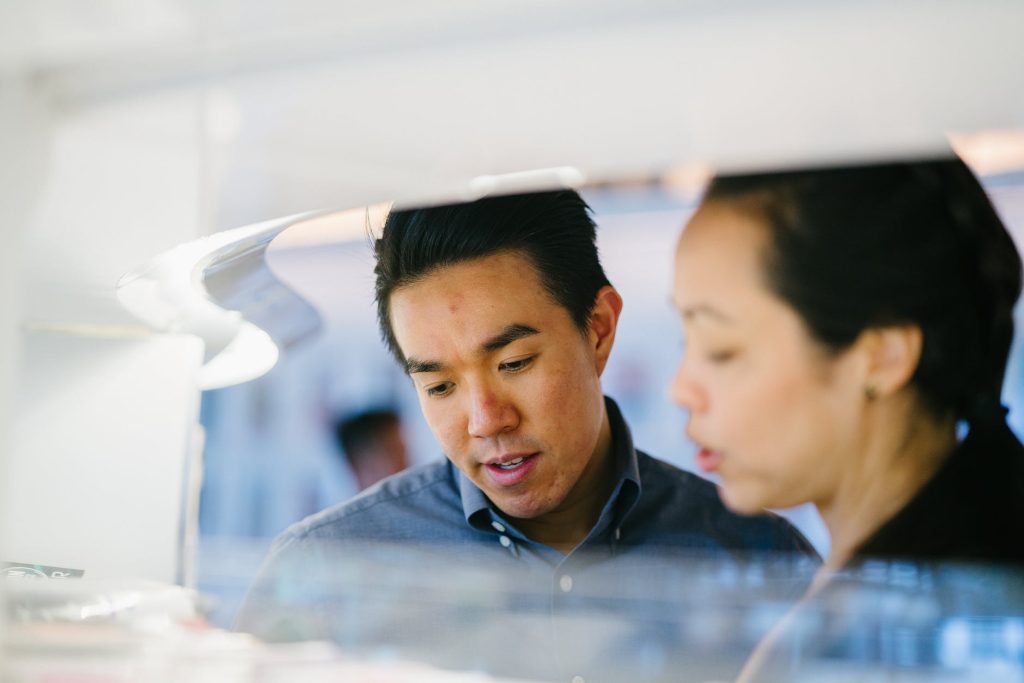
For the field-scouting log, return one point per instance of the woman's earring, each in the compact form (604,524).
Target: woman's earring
(871,392)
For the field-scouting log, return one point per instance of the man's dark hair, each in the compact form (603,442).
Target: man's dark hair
(553,230)
(354,432)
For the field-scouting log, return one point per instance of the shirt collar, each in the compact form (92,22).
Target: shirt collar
(626,464)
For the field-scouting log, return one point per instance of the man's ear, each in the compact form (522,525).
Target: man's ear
(893,354)
(604,319)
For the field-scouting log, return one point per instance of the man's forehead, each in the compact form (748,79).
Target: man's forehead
(479,289)
(469,307)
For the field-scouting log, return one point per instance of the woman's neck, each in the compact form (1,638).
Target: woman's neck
(900,451)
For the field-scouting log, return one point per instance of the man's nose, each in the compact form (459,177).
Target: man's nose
(491,413)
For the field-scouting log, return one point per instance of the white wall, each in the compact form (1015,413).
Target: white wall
(102,411)
(102,428)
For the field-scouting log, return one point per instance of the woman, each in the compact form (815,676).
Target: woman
(844,327)
(840,324)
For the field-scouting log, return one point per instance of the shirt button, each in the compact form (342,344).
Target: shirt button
(505,541)
(578,679)
(565,583)
(499,527)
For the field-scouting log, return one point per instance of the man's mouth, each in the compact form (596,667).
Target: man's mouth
(508,471)
(512,464)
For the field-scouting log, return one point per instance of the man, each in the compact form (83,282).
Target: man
(373,445)
(502,316)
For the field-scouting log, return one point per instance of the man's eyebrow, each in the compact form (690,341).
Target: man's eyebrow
(414,365)
(508,335)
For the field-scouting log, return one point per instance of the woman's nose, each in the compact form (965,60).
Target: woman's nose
(684,390)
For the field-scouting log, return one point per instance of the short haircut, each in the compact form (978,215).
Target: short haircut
(888,244)
(553,230)
(356,431)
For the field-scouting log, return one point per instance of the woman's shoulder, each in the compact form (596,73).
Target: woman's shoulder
(971,510)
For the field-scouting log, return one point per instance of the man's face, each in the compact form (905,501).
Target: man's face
(507,382)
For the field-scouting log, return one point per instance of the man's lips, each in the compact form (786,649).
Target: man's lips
(508,458)
(510,468)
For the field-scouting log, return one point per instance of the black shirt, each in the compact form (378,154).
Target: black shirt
(971,510)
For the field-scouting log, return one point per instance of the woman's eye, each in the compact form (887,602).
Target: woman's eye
(516,365)
(721,356)
(439,390)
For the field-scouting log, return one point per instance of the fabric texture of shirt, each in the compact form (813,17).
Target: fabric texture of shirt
(427,538)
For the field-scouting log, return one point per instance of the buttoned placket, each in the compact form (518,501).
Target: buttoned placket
(504,539)
(567,576)
(565,581)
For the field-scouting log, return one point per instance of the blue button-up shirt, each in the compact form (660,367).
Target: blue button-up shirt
(427,546)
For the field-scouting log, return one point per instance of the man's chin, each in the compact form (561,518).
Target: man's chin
(518,508)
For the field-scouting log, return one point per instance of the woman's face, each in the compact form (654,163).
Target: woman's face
(772,412)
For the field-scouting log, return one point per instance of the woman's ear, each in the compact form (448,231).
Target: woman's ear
(604,319)
(893,354)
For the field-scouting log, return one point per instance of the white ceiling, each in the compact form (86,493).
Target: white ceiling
(158,121)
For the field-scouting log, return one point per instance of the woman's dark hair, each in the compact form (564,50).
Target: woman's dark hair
(900,243)
(551,229)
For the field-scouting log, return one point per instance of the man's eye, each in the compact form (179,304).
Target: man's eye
(517,365)
(439,390)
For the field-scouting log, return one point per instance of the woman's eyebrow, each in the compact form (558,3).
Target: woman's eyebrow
(691,312)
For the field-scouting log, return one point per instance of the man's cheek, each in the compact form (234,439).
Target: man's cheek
(443,429)
(546,391)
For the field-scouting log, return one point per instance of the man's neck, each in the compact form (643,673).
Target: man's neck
(568,525)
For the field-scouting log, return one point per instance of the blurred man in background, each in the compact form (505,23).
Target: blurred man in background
(373,445)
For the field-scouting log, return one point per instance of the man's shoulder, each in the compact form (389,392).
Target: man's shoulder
(400,504)
(692,505)
(403,516)
(662,478)
(685,494)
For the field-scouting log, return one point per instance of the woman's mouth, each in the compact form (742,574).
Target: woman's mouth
(708,460)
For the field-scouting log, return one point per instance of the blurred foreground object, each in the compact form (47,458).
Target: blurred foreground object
(668,618)
(140,632)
